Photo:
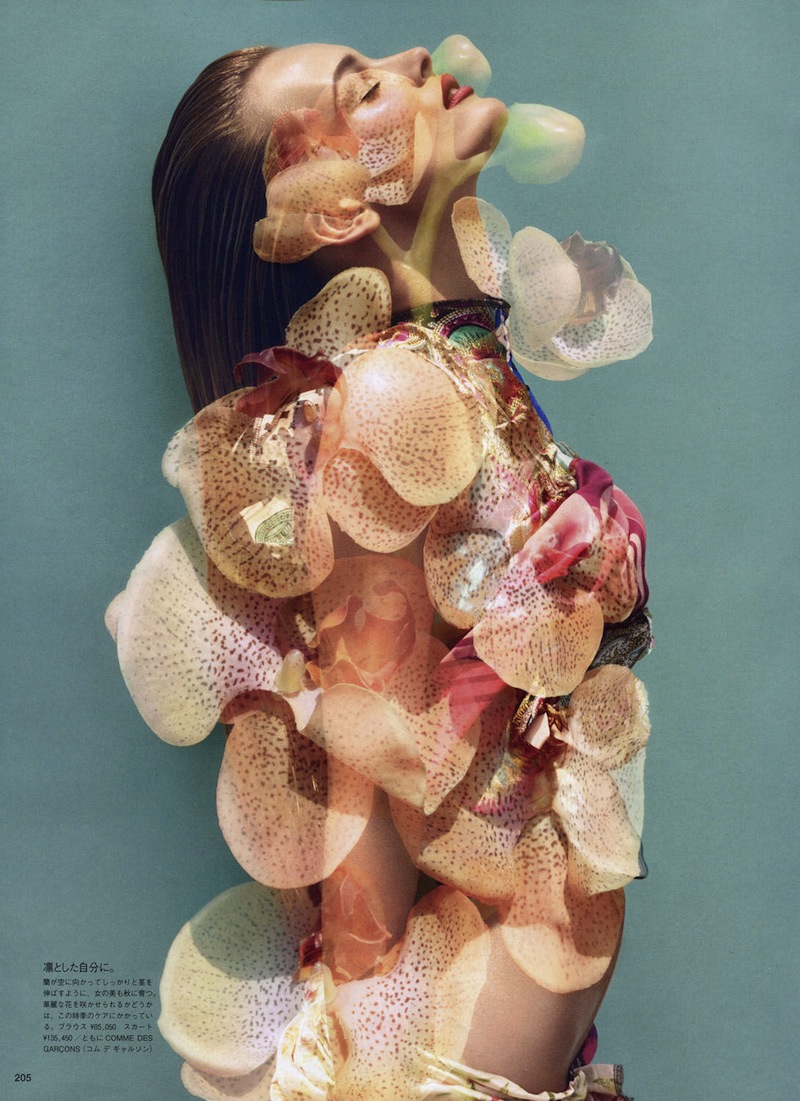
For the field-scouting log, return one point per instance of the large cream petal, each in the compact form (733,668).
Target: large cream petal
(562,938)
(484,239)
(607,716)
(226,991)
(365,732)
(545,288)
(424,1003)
(539,637)
(463,570)
(289,814)
(603,845)
(621,332)
(354,303)
(467,842)
(360,500)
(188,640)
(407,416)
(248,488)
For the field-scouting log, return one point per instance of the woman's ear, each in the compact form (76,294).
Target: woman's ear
(355,221)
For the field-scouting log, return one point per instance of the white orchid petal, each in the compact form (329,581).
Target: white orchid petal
(623,331)
(484,239)
(227,991)
(189,641)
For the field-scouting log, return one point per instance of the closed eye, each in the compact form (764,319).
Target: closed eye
(371,93)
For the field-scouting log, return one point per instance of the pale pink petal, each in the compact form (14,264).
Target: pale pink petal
(226,991)
(215,1087)
(484,239)
(539,637)
(564,939)
(424,1003)
(289,814)
(603,845)
(621,332)
(463,570)
(352,304)
(467,842)
(365,732)
(607,716)
(360,500)
(545,288)
(248,488)
(188,640)
(410,420)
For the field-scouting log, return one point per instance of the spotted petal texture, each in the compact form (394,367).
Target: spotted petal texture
(188,640)
(425,1002)
(562,938)
(407,417)
(227,991)
(248,485)
(355,302)
(289,813)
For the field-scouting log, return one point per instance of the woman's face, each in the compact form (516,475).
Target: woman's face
(372,98)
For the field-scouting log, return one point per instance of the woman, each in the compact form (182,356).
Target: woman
(427,609)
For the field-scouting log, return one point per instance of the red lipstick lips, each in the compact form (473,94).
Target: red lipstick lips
(452,92)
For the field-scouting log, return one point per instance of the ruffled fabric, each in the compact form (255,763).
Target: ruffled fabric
(393,586)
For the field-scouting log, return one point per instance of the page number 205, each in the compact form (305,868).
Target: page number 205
(22,1077)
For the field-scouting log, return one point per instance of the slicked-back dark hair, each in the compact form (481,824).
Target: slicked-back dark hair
(208,193)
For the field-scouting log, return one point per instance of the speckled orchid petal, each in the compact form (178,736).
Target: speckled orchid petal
(240,1087)
(539,637)
(360,500)
(424,1003)
(355,302)
(248,487)
(226,990)
(408,418)
(289,814)
(603,845)
(445,733)
(599,799)
(564,939)
(484,239)
(622,331)
(544,363)
(545,288)
(321,187)
(188,640)
(607,716)
(366,733)
(467,842)
(386,127)
(463,570)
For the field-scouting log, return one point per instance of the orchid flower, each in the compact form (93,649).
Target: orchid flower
(574,305)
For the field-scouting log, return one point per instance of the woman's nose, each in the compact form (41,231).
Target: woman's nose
(416,64)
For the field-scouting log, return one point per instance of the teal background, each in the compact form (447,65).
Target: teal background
(110,839)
